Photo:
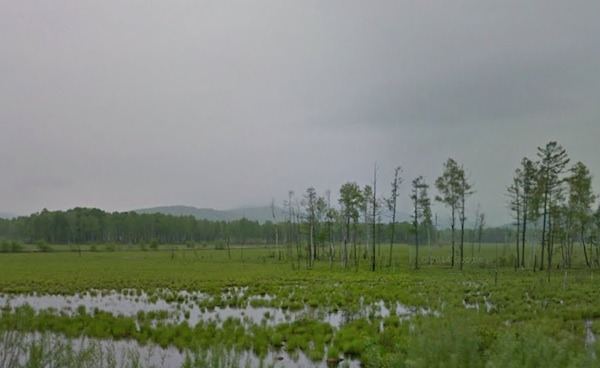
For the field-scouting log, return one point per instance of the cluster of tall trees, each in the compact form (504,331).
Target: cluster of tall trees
(359,216)
(554,201)
(454,188)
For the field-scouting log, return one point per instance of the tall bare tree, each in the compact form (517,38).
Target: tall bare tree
(427,215)
(330,217)
(321,232)
(310,207)
(289,207)
(375,208)
(421,209)
(365,206)
(276,229)
(464,192)
(475,231)
(297,224)
(391,205)
(515,204)
(480,230)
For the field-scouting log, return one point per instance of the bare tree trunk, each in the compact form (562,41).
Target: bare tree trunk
(297,236)
(437,234)
(518,233)
(474,232)
(374,217)
(462,231)
(524,236)
(312,247)
(290,239)
(354,246)
(544,218)
(550,241)
(393,230)
(462,242)
(346,240)
(276,230)
(452,226)
(391,203)
(329,225)
(416,224)
(331,248)
(582,237)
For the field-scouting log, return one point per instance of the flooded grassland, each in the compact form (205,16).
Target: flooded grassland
(204,309)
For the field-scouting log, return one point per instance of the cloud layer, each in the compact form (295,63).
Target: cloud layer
(123,105)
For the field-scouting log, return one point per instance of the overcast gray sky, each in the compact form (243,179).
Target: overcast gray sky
(129,104)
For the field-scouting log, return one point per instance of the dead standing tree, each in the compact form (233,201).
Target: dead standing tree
(391,205)
(421,210)
(464,192)
(276,230)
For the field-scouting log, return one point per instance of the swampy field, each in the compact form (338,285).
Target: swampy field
(248,308)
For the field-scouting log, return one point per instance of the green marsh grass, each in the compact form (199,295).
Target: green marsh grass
(506,306)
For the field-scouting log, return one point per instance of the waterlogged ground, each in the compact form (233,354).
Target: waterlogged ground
(192,308)
(259,311)
(128,353)
(165,306)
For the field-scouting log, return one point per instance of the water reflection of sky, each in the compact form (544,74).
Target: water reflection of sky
(184,307)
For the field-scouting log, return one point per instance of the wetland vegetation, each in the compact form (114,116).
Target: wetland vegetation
(257,309)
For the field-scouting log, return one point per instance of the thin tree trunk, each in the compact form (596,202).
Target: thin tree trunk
(518,233)
(331,248)
(437,233)
(416,231)
(393,230)
(581,236)
(452,227)
(277,243)
(474,232)
(346,239)
(462,231)
(544,215)
(524,235)
(462,243)
(373,219)
(354,247)
(228,249)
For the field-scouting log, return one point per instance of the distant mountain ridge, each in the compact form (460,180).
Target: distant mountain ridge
(8,216)
(260,214)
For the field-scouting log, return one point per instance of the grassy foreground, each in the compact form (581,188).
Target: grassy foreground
(483,316)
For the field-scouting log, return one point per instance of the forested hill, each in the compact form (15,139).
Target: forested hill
(260,214)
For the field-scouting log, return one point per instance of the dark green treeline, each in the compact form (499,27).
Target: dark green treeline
(94,226)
